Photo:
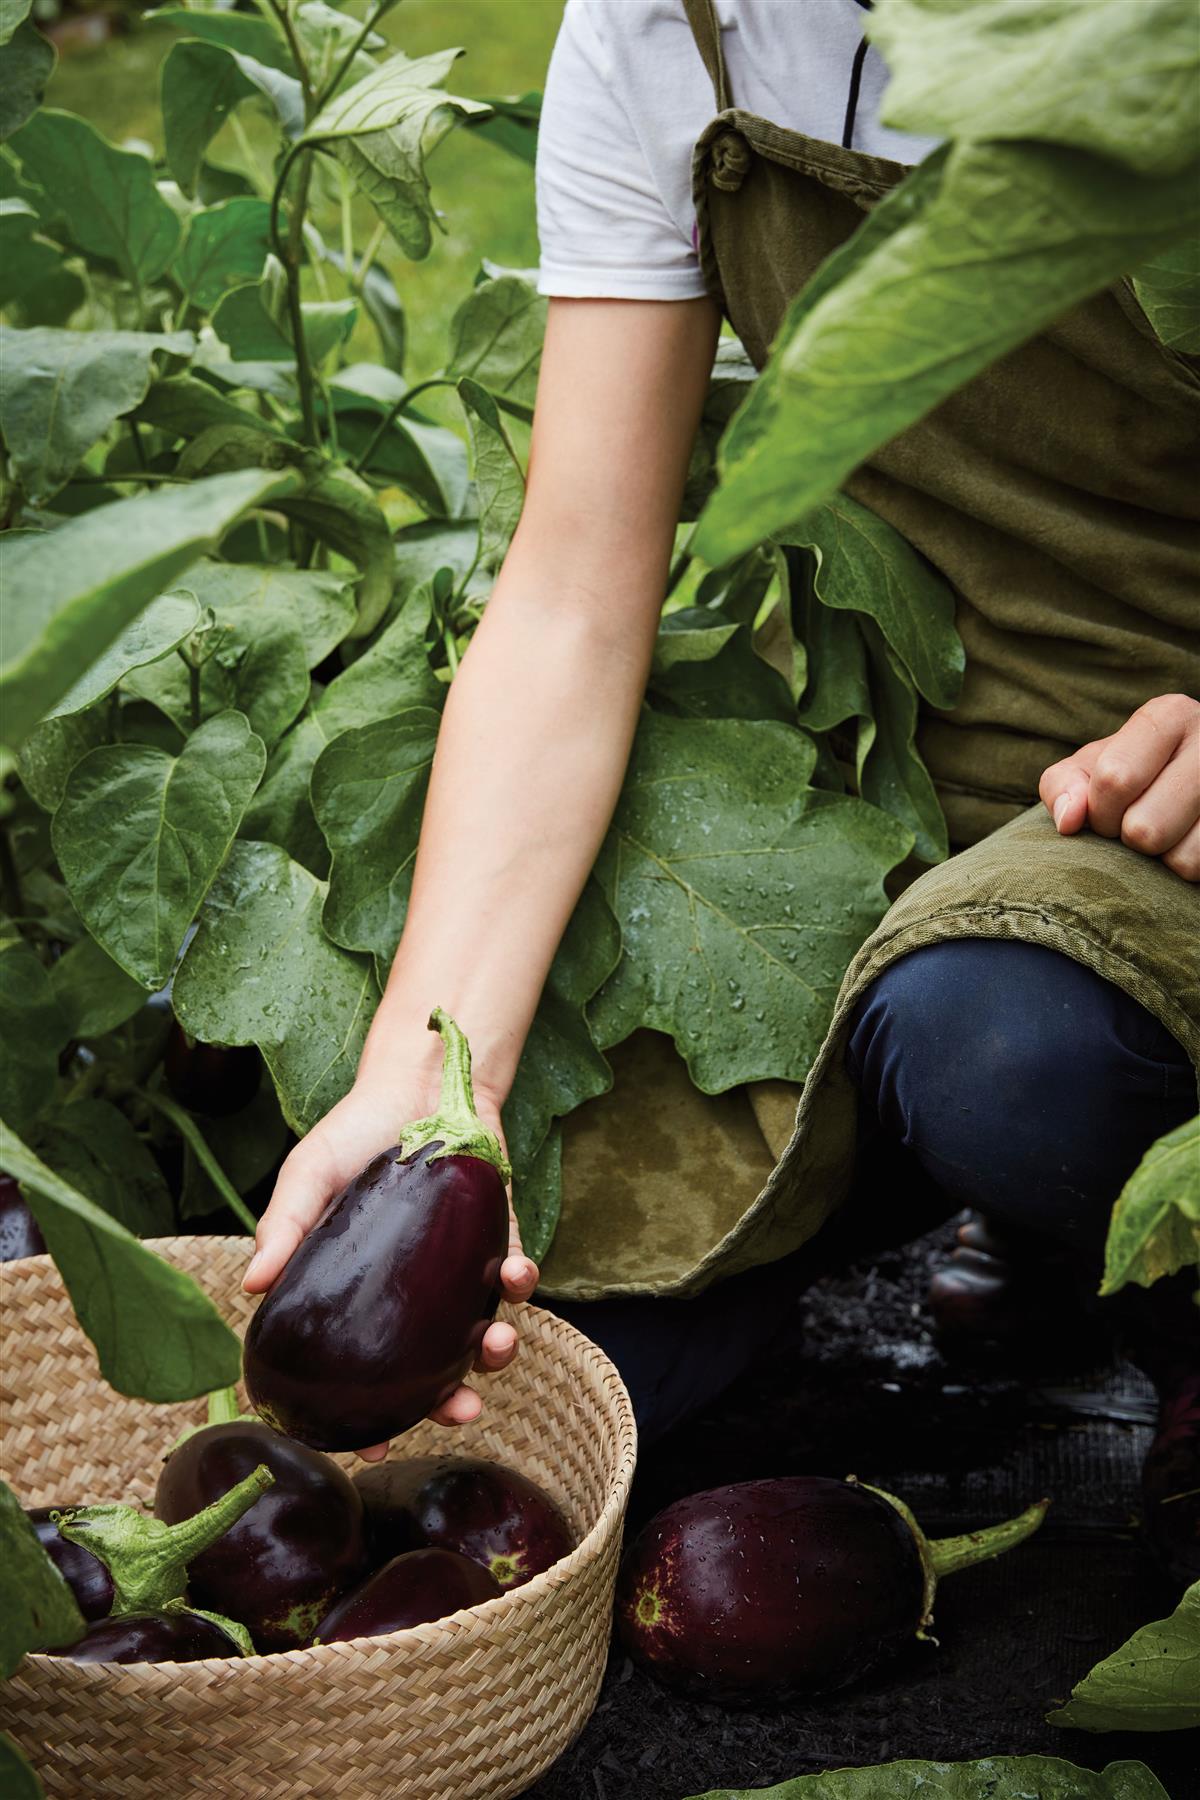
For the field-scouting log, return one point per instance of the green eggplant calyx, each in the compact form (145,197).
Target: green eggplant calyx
(223,1409)
(230,1627)
(944,1556)
(456,1127)
(147,1559)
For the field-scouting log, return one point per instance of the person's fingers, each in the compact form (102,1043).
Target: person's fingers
(498,1348)
(462,1408)
(1184,857)
(1131,760)
(301,1194)
(1163,815)
(518,1277)
(1063,788)
(375,1452)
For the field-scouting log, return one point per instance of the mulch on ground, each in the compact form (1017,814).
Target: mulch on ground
(867,1392)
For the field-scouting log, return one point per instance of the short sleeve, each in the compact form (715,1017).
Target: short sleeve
(604,228)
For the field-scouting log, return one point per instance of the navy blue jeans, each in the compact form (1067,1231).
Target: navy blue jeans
(992,1074)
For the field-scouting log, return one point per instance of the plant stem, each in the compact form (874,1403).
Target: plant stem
(451,648)
(374,243)
(10,877)
(289,254)
(368,25)
(193,670)
(948,1554)
(392,414)
(298,57)
(456,1127)
(223,1408)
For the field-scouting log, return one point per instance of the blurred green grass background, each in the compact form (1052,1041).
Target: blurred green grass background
(485,195)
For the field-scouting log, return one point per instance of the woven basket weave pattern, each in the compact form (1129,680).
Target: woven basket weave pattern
(474,1707)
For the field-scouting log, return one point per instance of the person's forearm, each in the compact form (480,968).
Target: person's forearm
(529,764)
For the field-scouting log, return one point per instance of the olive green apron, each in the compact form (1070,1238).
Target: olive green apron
(1059,494)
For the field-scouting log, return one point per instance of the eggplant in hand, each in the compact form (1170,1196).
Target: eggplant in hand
(410,1590)
(769,1589)
(481,1509)
(84,1574)
(181,1636)
(280,1568)
(382,1310)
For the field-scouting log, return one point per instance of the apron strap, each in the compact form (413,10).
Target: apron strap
(702,17)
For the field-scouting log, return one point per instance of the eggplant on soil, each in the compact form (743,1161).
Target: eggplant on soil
(281,1566)
(800,1585)
(492,1514)
(382,1309)
(413,1589)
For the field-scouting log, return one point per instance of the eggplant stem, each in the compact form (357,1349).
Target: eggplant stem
(147,1559)
(223,1407)
(456,1126)
(952,1553)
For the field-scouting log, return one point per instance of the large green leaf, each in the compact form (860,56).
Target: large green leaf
(991,1778)
(740,894)
(247,33)
(183,406)
(560,1066)
(106,196)
(864,565)
(891,774)
(496,338)
(1169,290)
(27,62)
(1155,1226)
(157,1334)
(33,1029)
(428,461)
(258,667)
(94,1148)
(499,481)
(35,284)
(68,593)
(260,970)
(1152,1683)
(163,626)
(1113,76)
(53,748)
(383,128)
(37,1608)
(368,793)
(60,391)
(706,666)
(256,330)
(18,1780)
(202,83)
(975,252)
(225,245)
(513,124)
(12,14)
(94,993)
(140,835)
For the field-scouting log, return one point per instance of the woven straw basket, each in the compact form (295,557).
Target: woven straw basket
(474,1707)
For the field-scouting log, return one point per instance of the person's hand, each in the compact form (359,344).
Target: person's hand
(1142,784)
(362,1124)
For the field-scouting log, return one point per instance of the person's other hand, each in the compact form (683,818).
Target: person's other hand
(362,1124)
(1142,784)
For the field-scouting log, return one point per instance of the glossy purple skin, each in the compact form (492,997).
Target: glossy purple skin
(382,1310)
(769,1589)
(213,1079)
(410,1590)
(84,1574)
(498,1518)
(20,1234)
(151,1637)
(280,1568)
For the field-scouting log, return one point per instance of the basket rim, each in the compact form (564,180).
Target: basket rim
(531,1592)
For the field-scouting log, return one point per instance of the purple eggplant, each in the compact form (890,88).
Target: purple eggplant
(84,1574)
(213,1079)
(152,1637)
(280,1568)
(481,1509)
(20,1234)
(801,1585)
(413,1589)
(382,1309)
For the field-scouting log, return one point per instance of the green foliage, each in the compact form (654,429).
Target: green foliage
(1048,190)
(1152,1683)
(26,64)
(37,1608)
(991,1778)
(17,1779)
(105,197)
(1155,1226)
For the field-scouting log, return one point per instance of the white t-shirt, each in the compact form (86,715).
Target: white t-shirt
(626,98)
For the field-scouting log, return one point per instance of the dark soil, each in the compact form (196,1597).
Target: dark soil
(865,1391)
